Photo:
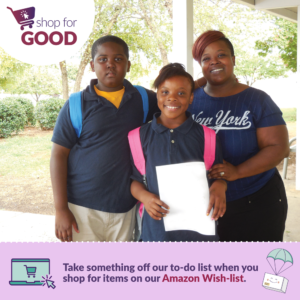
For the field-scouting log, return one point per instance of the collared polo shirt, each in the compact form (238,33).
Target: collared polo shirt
(99,165)
(164,146)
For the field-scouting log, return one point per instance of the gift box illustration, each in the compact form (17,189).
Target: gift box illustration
(279,260)
(24,16)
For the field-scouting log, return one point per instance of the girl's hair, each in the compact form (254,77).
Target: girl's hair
(206,39)
(172,70)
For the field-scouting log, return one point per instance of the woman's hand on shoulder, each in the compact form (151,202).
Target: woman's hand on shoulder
(225,171)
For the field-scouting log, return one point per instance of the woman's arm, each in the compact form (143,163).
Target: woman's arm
(152,203)
(274,147)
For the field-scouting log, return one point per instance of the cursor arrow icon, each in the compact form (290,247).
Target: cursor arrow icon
(50,283)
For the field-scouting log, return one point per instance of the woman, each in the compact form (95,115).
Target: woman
(254,140)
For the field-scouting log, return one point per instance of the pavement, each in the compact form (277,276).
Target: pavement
(26,227)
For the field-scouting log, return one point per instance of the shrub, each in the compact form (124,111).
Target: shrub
(28,107)
(46,112)
(12,117)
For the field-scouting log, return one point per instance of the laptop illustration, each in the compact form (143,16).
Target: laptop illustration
(29,271)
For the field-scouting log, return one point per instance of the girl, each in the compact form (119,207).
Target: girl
(172,138)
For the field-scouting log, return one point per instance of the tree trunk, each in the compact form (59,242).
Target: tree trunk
(148,17)
(86,57)
(169,6)
(64,78)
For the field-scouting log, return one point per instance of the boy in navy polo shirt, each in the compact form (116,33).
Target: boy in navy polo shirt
(173,137)
(91,174)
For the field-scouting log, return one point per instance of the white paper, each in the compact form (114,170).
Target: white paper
(184,188)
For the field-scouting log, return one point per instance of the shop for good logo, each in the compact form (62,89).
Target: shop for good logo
(24,18)
(45,32)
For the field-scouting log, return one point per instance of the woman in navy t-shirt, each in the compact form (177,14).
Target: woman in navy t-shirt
(254,140)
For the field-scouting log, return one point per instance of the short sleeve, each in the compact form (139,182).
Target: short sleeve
(269,114)
(64,133)
(136,175)
(153,108)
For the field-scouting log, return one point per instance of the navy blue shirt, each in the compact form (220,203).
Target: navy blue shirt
(159,150)
(235,120)
(99,165)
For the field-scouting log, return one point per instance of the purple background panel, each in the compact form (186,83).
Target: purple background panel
(155,254)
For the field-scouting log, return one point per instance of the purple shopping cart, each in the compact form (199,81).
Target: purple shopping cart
(30,271)
(24,16)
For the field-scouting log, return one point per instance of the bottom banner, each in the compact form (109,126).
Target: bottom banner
(149,270)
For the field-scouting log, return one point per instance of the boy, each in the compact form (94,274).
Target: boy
(91,174)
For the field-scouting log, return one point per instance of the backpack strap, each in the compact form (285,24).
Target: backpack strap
(75,112)
(136,150)
(138,157)
(145,100)
(209,147)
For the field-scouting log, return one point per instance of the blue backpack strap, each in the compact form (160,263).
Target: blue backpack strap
(75,112)
(145,99)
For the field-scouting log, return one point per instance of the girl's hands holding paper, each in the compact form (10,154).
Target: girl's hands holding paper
(153,205)
(217,199)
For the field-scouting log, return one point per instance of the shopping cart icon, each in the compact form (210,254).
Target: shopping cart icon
(30,271)
(24,16)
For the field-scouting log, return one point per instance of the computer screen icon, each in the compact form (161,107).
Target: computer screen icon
(29,271)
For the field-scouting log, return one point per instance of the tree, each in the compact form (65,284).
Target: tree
(9,69)
(37,81)
(64,79)
(256,68)
(284,41)
(107,13)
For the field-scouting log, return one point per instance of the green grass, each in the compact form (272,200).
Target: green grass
(289,114)
(25,156)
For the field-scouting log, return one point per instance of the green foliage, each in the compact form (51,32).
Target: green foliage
(255,67)
(28,107)
(12,117)
(10,68)
(46,112)
(284,40)
(37,81)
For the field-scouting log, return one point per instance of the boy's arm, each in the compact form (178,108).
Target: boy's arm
(152,203)
(64,219)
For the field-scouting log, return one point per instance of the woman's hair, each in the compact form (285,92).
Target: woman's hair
(206,39)
(172,70)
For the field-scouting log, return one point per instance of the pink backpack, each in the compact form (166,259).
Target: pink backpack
(139,160)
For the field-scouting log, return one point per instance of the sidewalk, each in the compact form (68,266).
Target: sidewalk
(25,227)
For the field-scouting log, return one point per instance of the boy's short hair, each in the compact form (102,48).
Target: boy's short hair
(172,70)
(109,38)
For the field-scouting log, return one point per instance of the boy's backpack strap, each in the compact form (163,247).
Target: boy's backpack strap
(75,112)
(209,147)
(145,99)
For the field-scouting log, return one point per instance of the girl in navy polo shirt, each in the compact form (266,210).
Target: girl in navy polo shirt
(173,137)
